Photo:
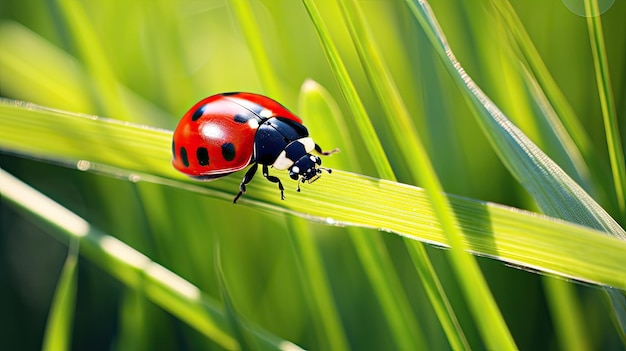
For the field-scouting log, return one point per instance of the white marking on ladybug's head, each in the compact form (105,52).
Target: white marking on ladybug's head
(313,158)
(295,169)
(282,161)
(266,113)
(308,143)
(210,131)
(253,123)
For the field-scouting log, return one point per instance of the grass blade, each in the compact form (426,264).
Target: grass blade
(58,333)
(143,154)
(607,102)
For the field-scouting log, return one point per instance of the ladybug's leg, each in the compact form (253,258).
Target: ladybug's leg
(274,179)
(246,179)
(325,153)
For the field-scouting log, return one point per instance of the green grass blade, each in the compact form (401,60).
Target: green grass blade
(607,102)
(58,335)
(24,73)
(245,17)
(538,70)
(485,310)
(108,97)
(366,130)
(566,315)
(162,286)
(143,154)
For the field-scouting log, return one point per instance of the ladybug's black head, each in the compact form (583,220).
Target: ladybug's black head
(306,168)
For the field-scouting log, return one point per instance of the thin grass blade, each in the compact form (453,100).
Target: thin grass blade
(58,334)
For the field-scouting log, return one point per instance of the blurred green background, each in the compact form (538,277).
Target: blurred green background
(149,61)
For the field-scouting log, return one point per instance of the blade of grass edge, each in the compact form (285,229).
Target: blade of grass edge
(485,311)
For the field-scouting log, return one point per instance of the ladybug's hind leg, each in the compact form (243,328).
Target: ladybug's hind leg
(274,179)
(325,153)
(246,179)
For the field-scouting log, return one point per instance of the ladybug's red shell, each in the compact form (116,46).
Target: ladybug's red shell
(216,136)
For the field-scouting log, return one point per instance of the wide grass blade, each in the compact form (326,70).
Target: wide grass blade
(143,154)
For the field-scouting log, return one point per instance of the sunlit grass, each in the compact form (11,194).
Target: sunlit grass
(380,94)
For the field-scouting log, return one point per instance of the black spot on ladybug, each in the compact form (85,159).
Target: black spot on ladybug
(203,156)
(228,151)
(197,114)
(183,156)
(173,149)
(240,118)
(230,93)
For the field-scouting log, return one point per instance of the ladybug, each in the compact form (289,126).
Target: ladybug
(225,133)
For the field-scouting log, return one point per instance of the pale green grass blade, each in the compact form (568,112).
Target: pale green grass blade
(58,335)
(134,269)
(236,324)
(607,102)
(366,130)
(140,153)
(107,95)
(24,73)
(486,313)
(566,315)
(133,333)
(538,70)
(243,13)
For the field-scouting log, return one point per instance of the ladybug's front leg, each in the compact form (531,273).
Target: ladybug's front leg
(246,179)
(274,179)
(325,153)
